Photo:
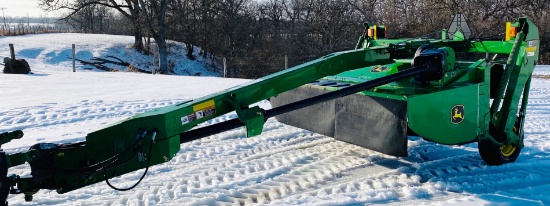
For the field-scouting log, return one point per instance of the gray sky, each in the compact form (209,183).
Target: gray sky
(21,8)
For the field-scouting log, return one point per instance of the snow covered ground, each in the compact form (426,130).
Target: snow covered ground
(283,166)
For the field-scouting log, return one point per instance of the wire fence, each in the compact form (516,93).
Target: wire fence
(15,30)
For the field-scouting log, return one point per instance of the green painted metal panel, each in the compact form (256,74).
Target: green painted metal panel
(446,117)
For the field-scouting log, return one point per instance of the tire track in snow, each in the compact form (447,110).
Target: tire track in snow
(254,165)
(340,163)
(383,176)
(455,177)
(253,171)
(451,176)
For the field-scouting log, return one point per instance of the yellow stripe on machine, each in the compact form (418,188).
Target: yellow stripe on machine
(203,105)
(531,49)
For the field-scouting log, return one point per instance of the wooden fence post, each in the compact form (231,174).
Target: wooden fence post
(286,61)
(74,67)
(12,52)
(224,67)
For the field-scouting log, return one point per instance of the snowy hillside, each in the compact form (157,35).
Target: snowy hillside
(283,166)
(54,52)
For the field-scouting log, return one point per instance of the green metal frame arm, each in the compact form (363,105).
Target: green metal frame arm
(516,80)
(239,98)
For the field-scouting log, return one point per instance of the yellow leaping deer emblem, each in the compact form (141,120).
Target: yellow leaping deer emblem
(457,114)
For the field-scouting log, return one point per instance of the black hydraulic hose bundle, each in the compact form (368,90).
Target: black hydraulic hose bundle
(112,162)
(142,176)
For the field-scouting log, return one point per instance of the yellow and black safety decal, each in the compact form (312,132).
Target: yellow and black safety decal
(200,111)
(205,109)
(531,48)
(457,114)
(379,69)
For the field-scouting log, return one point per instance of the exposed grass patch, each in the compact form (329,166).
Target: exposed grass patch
(541,76)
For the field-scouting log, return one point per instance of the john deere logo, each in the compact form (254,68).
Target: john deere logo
(379,69)
(457,114)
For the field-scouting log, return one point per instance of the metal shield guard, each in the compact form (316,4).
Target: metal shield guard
(374,123)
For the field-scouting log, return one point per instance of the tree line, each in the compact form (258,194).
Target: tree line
(256,35)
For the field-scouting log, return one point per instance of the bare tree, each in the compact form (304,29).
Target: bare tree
(128,8)
(155,18)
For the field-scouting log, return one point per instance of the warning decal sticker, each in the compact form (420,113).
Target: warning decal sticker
(379,69)
(532,47)
(188,118)
(200,111)
(205,109)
